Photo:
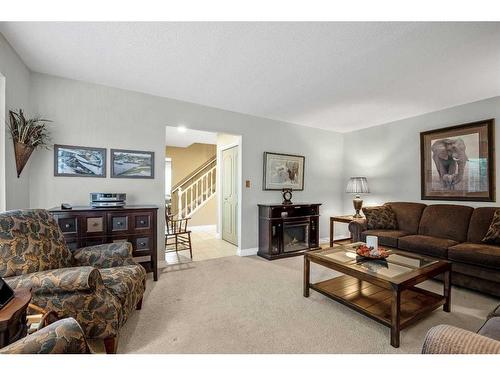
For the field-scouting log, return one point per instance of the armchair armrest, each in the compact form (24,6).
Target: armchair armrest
(356,227)
(62,337)
(445,339)
(107,255)
(61,280)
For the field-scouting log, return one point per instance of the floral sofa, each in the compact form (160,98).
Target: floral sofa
(99,286)
(62,337)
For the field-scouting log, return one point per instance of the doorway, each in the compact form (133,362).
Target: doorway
(195,164)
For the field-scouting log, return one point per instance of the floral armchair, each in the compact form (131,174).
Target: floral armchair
(62,337)
(99,285)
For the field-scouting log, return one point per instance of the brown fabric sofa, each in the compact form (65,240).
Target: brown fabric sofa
(446,231)
(445,339)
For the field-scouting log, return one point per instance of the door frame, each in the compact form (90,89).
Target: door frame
(220,149)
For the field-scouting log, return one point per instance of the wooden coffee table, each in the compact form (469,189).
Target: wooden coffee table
(382,290)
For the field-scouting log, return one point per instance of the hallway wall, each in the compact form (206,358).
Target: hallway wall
(186,159)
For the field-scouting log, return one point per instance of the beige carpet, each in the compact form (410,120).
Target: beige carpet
(251,305)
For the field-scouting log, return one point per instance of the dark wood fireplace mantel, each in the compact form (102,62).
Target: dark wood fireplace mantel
(288,230)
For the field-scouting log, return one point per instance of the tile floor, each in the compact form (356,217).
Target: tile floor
(205,246)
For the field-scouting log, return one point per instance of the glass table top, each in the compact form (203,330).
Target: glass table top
(395,265)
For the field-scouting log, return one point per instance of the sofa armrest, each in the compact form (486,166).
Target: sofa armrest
(108,255)
(356,227)
(61,280)
(445,339)
(62,337)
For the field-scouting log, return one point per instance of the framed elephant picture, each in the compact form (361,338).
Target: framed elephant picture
(458,162)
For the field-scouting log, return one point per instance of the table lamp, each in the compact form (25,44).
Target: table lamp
(357,185)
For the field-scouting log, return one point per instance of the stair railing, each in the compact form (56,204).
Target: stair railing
(196,190)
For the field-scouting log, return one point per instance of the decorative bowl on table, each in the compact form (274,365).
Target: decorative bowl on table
(368,252)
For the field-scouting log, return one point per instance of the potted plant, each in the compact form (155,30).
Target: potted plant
(27,135)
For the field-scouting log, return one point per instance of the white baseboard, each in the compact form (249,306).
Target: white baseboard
(335,238)
(218,236)
(247,252)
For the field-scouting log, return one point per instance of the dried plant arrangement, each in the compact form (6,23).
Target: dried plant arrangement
(27,135)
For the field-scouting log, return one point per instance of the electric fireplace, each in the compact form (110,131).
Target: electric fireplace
(295,236)
(288,230)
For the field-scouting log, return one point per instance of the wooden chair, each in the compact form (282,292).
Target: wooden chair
(178,232)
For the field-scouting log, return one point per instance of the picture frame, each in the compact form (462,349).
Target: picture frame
(79,161)
(457,163)
(132,164)
(283,171)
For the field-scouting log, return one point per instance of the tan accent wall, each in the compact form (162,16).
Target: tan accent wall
(184,161)
(207,215)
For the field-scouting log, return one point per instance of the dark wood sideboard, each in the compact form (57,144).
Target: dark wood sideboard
(87,226)
(288,230)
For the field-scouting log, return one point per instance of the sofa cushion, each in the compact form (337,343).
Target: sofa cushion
(493,234)
(127,283)
(491,328)
(480,221)
(474,253)
(446,221)
(408,215)
(380,217)
(433,246)
(386,237)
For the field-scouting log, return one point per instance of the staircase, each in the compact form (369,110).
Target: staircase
(195,190)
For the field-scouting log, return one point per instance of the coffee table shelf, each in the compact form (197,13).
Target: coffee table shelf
(375,302)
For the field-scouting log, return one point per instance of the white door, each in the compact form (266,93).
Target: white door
(230,195)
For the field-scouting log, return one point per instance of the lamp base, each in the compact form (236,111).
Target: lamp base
(357,202)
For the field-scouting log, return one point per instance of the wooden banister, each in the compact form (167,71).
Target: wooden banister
(193,174)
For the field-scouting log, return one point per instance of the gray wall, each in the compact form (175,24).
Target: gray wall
(92,115)
(17,95)
(389,155)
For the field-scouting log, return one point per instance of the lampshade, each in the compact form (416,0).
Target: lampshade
(357,185)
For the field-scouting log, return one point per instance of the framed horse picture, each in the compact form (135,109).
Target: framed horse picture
(283,171)
(457,163)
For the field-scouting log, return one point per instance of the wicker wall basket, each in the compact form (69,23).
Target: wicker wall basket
(23,153)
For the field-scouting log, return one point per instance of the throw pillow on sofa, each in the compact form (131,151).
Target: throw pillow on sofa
(382,217)
(493,234)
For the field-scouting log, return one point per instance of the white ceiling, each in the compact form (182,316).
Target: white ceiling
(189,136)
(338,76)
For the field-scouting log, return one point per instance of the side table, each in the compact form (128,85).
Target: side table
(13,325)
(340,219)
